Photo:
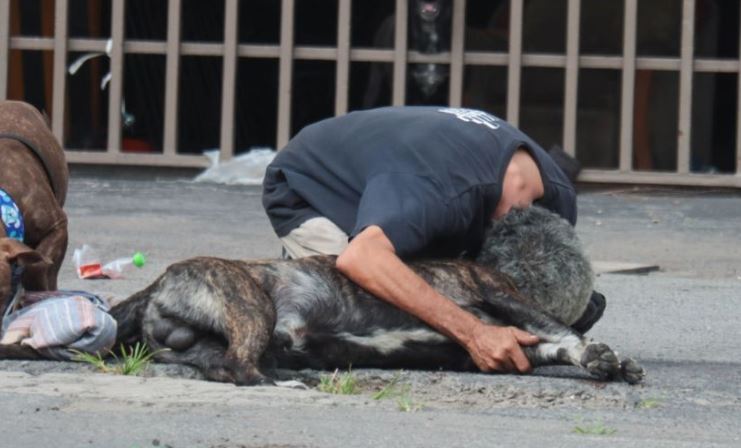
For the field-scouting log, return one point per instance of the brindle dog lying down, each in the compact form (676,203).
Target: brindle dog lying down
(234,320)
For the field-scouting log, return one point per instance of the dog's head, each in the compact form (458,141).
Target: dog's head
(540,251)
(14,258)
(429,10)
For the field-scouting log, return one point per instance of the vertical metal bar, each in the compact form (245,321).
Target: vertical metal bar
(398,96)
(115,87)
(342,74)
(228,84)
(627,101)
(60,69)
(738,110)
(572,77)
(286,72)
(458,35)
(685,86)
(4,47)
(48,14)
(514,69)
(172,78)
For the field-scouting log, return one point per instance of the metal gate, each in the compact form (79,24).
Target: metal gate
(58,46)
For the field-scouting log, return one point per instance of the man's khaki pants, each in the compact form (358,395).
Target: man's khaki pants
(316,236)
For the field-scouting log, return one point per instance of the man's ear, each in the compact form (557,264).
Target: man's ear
(14,251)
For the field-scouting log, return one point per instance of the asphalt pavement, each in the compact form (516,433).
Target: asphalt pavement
(680,322)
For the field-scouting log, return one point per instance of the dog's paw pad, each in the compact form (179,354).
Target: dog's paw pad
(631,371)
(600,361)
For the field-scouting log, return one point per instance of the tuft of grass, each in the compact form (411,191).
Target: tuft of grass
(131,362)
(390,389)
(649,403)
(402,393)
(406,402)
(95,360)
(338,383)
(136,360)
(595,429)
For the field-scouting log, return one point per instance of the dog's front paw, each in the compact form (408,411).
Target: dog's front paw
(601,361)
(631,371)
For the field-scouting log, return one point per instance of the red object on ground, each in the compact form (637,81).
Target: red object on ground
(136,145)
(93,270)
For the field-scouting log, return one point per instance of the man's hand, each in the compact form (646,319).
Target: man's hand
(499,348)
(371,262)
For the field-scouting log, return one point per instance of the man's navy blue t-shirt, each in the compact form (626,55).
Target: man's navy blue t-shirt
(430,177)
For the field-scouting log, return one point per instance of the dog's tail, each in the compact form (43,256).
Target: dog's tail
(129,314)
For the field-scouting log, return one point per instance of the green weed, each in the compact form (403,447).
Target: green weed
(406,402)
(402,393)
(388,390)
(338,383)
(131,362)
(95,360)
(649,403)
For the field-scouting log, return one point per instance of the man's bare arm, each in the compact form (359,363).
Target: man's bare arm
(370,261)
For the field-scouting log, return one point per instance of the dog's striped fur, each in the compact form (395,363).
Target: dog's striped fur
(236,319)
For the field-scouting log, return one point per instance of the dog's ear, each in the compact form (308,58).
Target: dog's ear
(14,251)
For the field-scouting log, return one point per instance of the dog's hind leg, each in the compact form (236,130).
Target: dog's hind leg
(213,300)
(250,320)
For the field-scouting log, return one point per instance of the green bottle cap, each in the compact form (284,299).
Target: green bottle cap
(139,259)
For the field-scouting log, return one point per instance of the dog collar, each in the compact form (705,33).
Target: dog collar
(11,217)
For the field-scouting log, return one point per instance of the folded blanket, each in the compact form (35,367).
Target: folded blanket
(58,323)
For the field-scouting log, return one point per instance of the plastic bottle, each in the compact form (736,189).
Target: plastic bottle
(117,268)
(87,262)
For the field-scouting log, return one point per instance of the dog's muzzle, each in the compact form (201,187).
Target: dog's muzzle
(16,290)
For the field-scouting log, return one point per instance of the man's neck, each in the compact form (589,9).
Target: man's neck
(523,166)
(522,184)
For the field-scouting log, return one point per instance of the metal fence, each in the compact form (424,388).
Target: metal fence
(457,57)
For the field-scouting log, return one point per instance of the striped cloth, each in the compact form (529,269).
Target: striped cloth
(58,323)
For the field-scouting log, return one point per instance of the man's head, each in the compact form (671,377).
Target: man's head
(521,185)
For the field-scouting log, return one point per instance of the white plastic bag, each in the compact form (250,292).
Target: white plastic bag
(244,169)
